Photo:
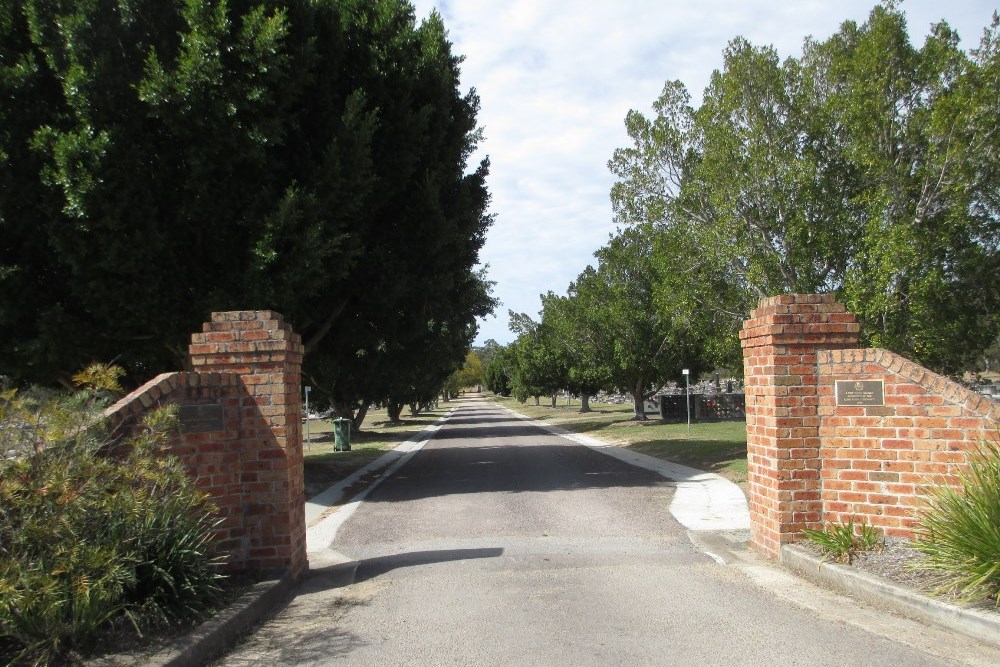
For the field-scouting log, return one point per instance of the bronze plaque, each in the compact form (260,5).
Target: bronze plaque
(860,392)
(201,418)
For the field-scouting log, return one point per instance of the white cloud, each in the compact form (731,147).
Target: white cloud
(556,80)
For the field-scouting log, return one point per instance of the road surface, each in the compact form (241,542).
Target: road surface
(501,544)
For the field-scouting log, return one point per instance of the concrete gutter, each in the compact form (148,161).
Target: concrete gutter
(980,625)
(327,518)
(213,637)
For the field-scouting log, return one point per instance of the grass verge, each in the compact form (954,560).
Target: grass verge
(719,447)
(325,467)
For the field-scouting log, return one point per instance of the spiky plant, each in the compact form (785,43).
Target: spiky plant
(86,539)
(959,530)
(841,542)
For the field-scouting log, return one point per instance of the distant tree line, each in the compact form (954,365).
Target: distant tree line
(867,167)
(162,160)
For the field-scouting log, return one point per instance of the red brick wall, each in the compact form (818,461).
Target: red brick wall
(248,363)
(811,461)
(877,460)
(213,459)
(780,343)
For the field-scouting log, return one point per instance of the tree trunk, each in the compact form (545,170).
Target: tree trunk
(342,410)
(537,402)
(585,403)
(554,397)
(359,418)
(393,408)
(444,396)
(638,403)
(414,409)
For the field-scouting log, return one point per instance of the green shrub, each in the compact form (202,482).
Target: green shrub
(87,537)
(959,531)
(842,542)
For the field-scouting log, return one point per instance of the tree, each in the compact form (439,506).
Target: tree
(857,169)
(471,373)
(540,365)
(918,282)
(566,317)
(164,160)
(499,371)
(640,345)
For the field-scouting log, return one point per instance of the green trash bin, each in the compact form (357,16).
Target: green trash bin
(342,435)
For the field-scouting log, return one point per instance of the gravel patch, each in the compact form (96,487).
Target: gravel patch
(896,562)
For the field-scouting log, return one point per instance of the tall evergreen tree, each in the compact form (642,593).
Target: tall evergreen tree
(166,159)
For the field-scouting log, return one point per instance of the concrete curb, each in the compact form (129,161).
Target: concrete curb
(325,500)
(213,637)
(322,530)
(984,627)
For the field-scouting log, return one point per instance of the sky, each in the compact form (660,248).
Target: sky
(556,79)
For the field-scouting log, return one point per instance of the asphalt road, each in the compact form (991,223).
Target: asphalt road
(500,544)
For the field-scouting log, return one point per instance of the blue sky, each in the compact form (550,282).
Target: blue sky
(556,79)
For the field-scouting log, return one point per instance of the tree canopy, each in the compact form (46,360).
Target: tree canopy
(638,343)
(163,160)
(865,167)
(610,332)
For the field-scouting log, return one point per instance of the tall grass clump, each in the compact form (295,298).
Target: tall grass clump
(92,539)
(959,530)
(843,541)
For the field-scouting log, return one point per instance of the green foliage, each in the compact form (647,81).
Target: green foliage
(498,372)
(162,160)
(568,319)
(471,372)
(866,167)
(636,343)
(539,359)
(842,542)
(609,331)
(959,532)
(89,537)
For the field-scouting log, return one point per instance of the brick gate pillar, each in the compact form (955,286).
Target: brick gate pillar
(261,348)
(780,341)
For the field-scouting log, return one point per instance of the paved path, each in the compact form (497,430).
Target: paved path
(500,543)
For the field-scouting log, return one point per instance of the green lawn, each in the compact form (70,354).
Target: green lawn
(719,447)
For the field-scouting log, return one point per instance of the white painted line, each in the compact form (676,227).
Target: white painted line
(703,500)
(322,530)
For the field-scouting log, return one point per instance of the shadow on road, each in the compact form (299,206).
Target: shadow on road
(310,628)
(496,429)
(540,465)
(370,568)
(493,419)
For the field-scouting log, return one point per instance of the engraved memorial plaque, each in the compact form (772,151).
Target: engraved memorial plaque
(860,392)
(201,418)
